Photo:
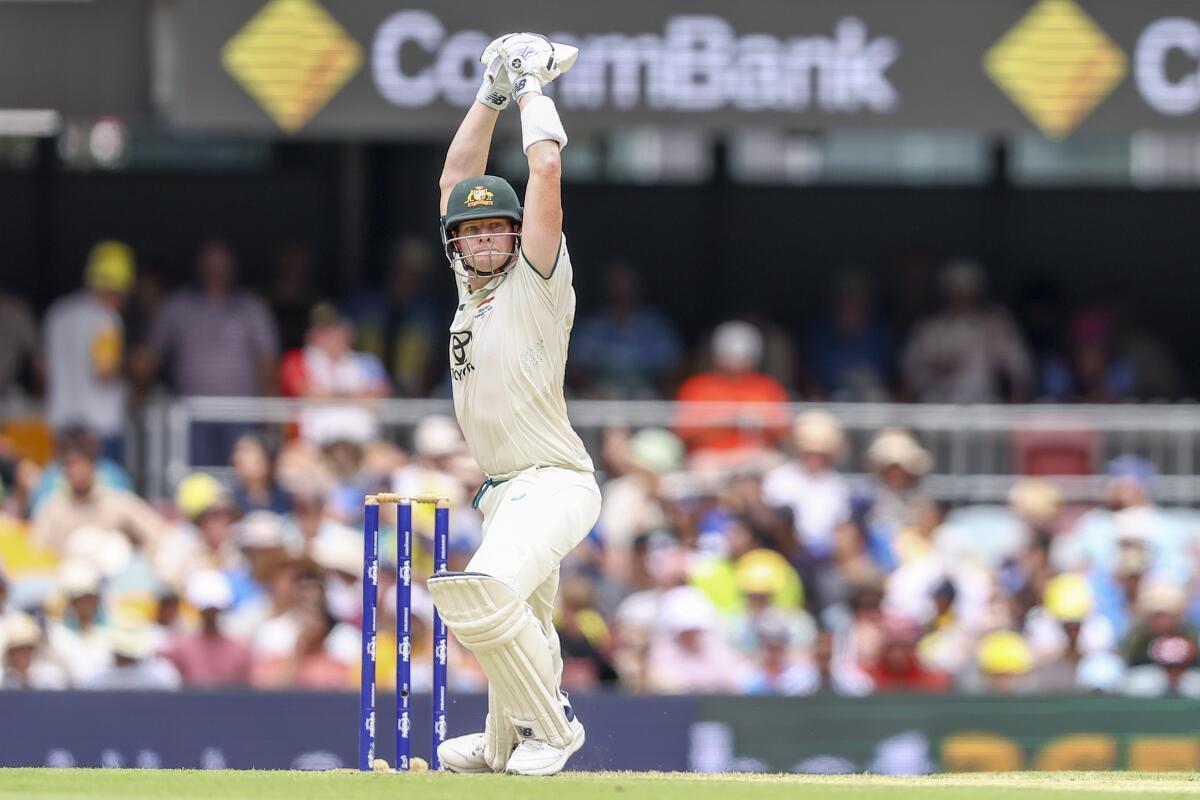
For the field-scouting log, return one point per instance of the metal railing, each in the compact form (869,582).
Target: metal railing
(978,451)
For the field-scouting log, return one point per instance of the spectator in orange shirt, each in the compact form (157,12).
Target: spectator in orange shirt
(737,434)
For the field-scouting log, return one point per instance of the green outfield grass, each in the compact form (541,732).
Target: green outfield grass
(60,784)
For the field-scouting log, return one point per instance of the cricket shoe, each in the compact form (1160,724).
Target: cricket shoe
(464,753)
(536,757)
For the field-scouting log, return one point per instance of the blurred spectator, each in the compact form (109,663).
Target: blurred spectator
(896,667)
(437,443)
(688,654)
(834,672)
(584,637)
(400,325)
(1064,632)
(1004,662)
(135,667)
(165,622)
(219,340)
(771,595)
(632,504)
(327,369)
(79,641)
(1092,371)
(1096,539)
(85,349)
(24,664)
(1041,310)
(206,539)
(254,479)
(898,464)
(18,331)
(748,430)
(292,294)
(810,486)
(308,665)
(85,502)
(778,666)
(1155,368)
(209,658)
(627,350)
(149,294)
(1161,650)
(52,479)
(967,353)
(851,352)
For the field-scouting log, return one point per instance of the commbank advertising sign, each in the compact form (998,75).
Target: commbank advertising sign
(369,68)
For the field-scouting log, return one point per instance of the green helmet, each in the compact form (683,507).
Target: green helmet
(480,197)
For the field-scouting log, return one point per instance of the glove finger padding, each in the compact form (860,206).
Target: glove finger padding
(536,59)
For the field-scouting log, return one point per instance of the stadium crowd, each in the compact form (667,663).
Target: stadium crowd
(726,559)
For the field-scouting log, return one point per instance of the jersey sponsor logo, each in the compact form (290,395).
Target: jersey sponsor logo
(460,367)
(480,196)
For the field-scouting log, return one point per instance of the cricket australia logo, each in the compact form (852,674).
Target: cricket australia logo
(371,650)
(405,649)
(460,367)
(406,575)
(405,725)
(480,196)
(440,653)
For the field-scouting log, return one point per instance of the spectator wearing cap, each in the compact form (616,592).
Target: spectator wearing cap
(85,502)
(79,642)
(898,464)
(23,662)
(135,667)
(770,590)
(1064,632)
(688,654)
(210,658)
(1004,663)
(627,350)
(1161,649)
(810,485)
(755,419)
(967,352)
(84,343)
(326,370)
(254,480)
(206,539)
(220,340)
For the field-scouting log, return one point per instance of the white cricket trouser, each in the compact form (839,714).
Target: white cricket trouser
(530,523)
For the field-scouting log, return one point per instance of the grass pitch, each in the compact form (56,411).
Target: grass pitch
(94,784)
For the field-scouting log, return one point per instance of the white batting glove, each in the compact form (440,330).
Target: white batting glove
(532,61)
(496,89)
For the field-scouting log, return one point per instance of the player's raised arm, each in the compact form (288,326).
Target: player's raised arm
(468,153)
(532,61)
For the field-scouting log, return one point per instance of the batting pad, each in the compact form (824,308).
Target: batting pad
(500,737)
(490,620)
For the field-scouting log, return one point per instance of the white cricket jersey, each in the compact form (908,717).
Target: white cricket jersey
(508,357)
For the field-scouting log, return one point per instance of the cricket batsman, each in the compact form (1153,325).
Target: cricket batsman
(508,353)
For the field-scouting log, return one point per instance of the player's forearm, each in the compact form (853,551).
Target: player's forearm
(468,153)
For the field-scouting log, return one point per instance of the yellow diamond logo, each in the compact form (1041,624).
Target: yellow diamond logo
(1056,65)
(292,58)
